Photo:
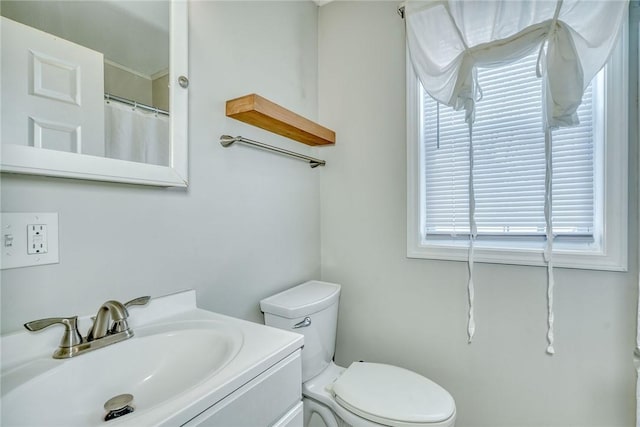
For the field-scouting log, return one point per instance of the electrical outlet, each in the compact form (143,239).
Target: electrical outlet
(36,239)
(28,239)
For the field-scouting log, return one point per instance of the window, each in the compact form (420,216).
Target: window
(589,172)
(509,161)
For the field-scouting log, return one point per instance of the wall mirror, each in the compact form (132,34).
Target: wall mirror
(95,90)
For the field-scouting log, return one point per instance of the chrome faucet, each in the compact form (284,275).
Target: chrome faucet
(110,309)
(101,333)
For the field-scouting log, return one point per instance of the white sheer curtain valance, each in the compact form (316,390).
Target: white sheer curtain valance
(448,39)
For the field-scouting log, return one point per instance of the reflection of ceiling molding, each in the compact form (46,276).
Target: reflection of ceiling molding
(127,69)
(159,74)
(112,27)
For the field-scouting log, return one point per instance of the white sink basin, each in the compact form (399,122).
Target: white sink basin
(181,362)
(159,363)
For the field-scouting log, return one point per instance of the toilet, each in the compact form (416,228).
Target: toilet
(364,394)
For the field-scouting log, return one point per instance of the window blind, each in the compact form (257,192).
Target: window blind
(509,161)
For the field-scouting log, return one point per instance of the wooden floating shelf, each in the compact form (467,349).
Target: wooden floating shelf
(261,112)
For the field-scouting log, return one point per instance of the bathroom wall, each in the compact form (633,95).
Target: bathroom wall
(412,312)
(121,82)
(247,226)
(160,89)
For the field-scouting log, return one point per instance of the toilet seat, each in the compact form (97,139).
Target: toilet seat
(392,396)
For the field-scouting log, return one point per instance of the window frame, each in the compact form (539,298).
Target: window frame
(608,252)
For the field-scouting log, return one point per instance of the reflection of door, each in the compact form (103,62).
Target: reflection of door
(52,92)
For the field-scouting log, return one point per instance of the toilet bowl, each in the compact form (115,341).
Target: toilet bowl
(364,394)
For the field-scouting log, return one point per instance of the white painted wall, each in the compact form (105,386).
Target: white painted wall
(121,82)
(247,226)
(412,312)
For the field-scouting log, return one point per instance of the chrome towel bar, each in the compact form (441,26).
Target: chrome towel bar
(227,140)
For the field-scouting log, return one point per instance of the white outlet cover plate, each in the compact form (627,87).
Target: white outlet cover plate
(14,224)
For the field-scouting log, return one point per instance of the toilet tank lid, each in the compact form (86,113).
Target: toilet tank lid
(299,301)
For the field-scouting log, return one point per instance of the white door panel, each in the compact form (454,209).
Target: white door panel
(52,92)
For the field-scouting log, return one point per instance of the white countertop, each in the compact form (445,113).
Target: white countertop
(262,347)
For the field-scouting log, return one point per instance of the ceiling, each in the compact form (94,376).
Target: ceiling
(134,34)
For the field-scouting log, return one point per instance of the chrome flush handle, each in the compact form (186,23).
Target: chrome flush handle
(305,322)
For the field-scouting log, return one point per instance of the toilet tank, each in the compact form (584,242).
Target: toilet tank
(317,301)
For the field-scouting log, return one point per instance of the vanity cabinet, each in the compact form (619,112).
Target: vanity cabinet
(273,398)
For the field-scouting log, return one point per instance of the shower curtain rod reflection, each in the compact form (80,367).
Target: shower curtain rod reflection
(227,140)
(134,104)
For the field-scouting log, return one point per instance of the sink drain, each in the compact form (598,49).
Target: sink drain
(118,406)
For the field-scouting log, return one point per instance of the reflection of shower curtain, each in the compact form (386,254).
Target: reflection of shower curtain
(136,135)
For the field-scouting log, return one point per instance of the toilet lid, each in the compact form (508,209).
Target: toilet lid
(392,396)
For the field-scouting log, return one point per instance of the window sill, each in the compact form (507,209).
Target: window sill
(586,257)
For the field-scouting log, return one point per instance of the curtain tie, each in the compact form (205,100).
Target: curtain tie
(548,250)
(473,232)
(550,33)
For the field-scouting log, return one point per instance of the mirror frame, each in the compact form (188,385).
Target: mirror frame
(35,161)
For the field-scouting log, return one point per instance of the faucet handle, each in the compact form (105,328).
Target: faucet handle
(71,335)
(138,301)
(122,324)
